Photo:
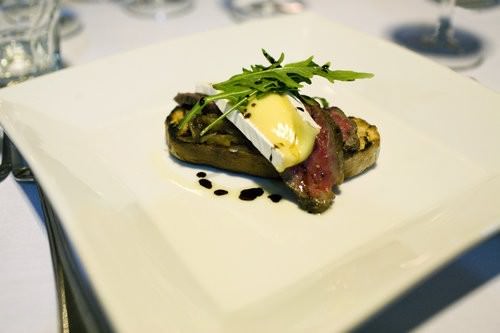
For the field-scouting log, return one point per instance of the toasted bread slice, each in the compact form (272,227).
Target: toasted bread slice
(367,153)
(228,149)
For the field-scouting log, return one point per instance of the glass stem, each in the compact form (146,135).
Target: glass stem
(444,30)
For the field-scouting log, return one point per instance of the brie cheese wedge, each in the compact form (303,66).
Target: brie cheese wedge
(277,125)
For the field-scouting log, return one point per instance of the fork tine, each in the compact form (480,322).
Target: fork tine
(6,165)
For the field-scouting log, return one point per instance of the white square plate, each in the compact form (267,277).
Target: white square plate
(164,254)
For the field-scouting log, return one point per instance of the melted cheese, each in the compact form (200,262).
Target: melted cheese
(289,130)
(277,125)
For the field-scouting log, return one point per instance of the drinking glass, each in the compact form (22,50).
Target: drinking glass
(29,44)
(69,24)
(455,48)
(29,47)
(158,9)
(247,9)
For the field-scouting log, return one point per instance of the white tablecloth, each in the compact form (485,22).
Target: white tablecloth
(463,297)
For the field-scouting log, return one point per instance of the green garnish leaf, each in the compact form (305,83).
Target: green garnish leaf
(322,101)
(274,78)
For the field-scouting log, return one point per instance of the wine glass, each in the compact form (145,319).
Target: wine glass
(29,47)
(244,9)
(158,9)
(455,48)
(478,4)
(69,24)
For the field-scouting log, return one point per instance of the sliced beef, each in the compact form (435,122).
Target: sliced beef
(313,180)
(347,127)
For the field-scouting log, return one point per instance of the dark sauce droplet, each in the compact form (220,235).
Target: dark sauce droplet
(247,115)
(205,183)
(275,197)
(201,174)
(220,192)
(250,194)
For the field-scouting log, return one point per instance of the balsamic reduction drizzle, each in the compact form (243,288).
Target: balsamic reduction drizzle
(275,197)
(250,194)
(220,192)
(205,183)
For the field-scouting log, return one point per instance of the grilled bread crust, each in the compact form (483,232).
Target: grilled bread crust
(369,147)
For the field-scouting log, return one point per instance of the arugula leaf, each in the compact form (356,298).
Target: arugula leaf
(274,78)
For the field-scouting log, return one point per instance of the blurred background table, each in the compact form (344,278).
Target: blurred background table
(464,296)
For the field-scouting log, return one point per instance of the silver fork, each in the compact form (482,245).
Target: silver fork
(20,169)
(13,161)
(6,165)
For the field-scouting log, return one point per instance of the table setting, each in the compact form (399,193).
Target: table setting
(102,231)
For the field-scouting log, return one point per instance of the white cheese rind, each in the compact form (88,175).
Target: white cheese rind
(261,142)
(253,133)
